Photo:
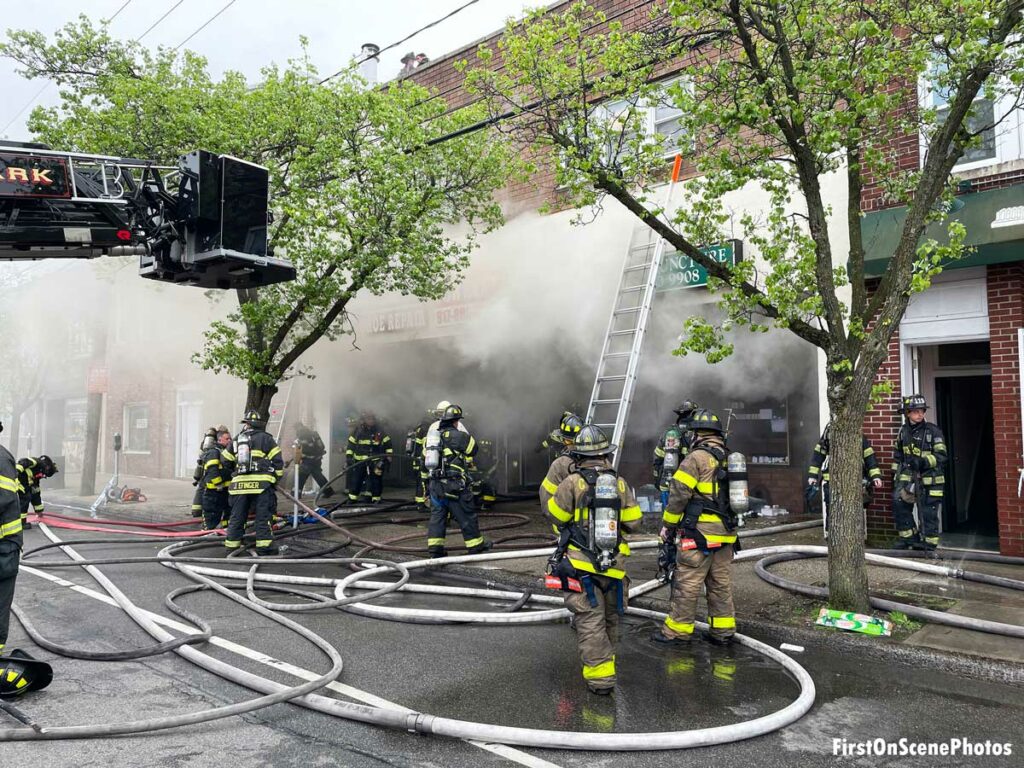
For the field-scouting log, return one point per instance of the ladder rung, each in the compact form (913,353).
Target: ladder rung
(628,332)
(615,354)
(607,402)
(612,378)
(605,425)
(638,266)
(629,288)
(627,310)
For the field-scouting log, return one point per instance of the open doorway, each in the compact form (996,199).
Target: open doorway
(957,378)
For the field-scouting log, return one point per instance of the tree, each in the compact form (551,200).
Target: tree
(776,94)
(361,200)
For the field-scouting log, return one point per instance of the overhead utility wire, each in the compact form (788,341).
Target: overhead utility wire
(205,24)
(408,37)
(156,23)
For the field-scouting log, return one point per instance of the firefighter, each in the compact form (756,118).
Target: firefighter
(918,465)
(414,449)
(10,536)
(554,439)
(568,428)
(258,467)
(672,448)
(218,467)
(312,450)
(448,452)
(817,472)
(485,463)
(368,455)
(209,441)
(698,504)
(30,472)
(590,509)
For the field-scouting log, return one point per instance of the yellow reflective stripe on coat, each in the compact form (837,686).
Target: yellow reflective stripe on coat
(671,518)
(557,512)
(631,513)
(605,669)
(722,622)
(211,463)
(9,484)
(11,528)
(709,517)
(548,486)
(274,451)
(685,478)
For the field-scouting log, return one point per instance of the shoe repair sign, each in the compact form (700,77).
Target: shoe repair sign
(28,176)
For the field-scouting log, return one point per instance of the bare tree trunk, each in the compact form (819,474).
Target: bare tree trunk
(87,487)
(847,569)
(258,398)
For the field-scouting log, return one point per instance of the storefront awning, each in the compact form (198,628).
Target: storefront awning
(994,221)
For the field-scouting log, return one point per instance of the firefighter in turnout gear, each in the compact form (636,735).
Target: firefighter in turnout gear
(10,536)
(672,448)
(258,467)
(485,463)
(30,472)
(918,465)
(817,472)
(312,450)
(209,440)
(590,509)
(562,466)
(448,454)
(414,449)
(218,467)
(698,504)
(368,455)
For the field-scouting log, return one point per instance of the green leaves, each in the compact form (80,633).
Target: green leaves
(360,201)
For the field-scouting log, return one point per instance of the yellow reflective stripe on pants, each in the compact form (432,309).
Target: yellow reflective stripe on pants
(605,669)
(714,538)
(435,542)
(232,544)
(470,543)
(264,542)
(38,507)
(722,622)
(676,626)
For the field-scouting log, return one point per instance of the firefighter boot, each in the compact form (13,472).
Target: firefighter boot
(267,551)
(479,549)
(657,636)
(910,539)
(436,552)
(717,639)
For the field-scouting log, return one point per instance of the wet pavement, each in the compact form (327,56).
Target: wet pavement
(524,676)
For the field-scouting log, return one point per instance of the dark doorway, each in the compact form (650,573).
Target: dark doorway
(964,413)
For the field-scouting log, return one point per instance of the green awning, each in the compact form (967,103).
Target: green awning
(977,211)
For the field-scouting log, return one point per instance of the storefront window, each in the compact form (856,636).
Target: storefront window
(136,428)
(760,430)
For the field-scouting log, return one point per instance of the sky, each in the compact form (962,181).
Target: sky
(253,33)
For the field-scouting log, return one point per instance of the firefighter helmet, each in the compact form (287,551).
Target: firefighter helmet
(915,402)
(452,413)
(685,410)
(703,420)
(47,466)
(254,420)
(568,428)
(440,408)
(20,673)
(592,441)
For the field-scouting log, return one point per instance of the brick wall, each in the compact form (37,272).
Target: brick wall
(1006,315)
(880,427)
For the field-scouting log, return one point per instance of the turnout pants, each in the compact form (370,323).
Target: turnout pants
(461,509)
(929,507)
(364,481)
(422,494)
(10,553)
(311,468)
(216,509)
(264,505)
(597,627)
(197,501)
(694,569)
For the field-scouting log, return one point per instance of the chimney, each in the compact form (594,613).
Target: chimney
(368,62)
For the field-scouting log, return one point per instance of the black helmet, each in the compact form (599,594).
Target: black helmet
(703,420)
(685,410)
(20,673)
(568,428)
(47,466)
(254,420)
(592,441)
(914,402)
(452,413)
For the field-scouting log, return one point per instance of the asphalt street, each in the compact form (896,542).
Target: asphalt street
(522,676)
